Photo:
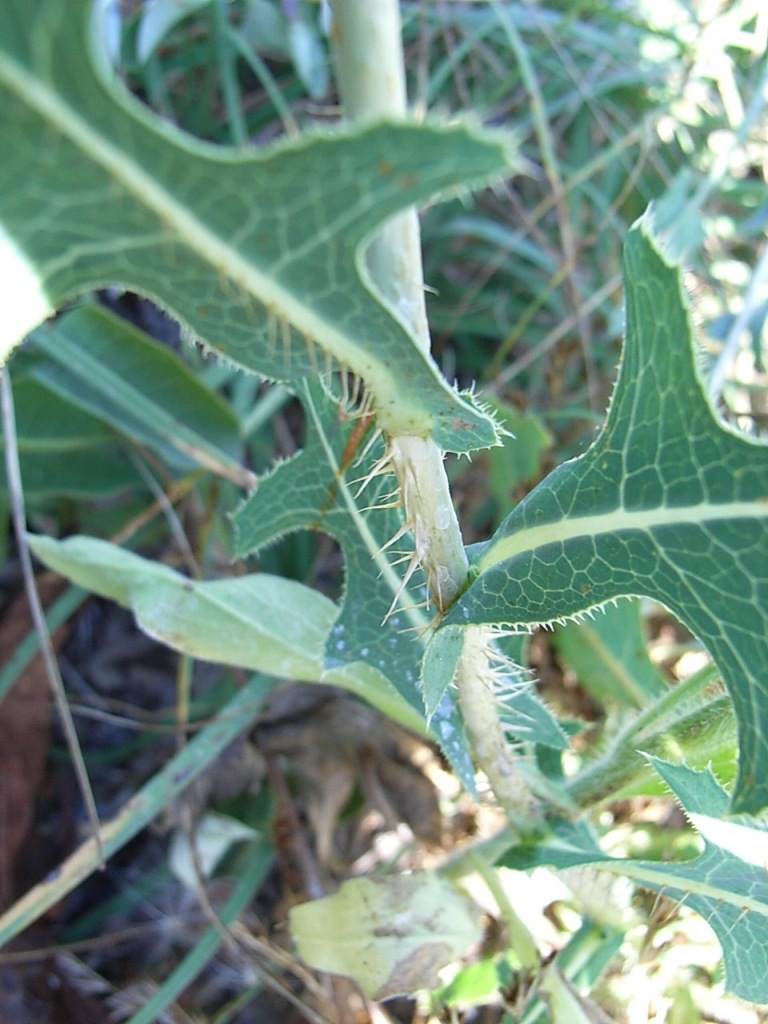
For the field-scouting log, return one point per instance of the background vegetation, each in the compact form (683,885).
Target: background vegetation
(614,105)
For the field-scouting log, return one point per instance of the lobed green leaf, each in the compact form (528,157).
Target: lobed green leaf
(667,502)
(320,488)
(259,255)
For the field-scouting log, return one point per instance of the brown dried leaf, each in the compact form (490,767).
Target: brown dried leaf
(333,743)
(24,737)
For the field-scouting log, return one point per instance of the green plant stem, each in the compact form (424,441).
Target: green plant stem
(474,681)
(520,938)
(204,949)
(680,718)
(371,78)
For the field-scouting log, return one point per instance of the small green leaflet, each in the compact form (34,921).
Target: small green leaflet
(261,255)
(727,883)
(667,503)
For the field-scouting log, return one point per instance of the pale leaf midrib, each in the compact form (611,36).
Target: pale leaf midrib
(617,522)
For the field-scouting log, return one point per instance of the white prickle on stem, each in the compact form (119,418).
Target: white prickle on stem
(431,516)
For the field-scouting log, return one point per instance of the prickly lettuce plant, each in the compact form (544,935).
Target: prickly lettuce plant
(301,264)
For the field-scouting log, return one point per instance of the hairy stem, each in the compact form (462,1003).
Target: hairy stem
(479,708)
(371,78)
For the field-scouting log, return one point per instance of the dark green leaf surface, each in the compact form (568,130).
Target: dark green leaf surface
(47,423)
(260,255)
(317,489)
(727,884)
(667,502)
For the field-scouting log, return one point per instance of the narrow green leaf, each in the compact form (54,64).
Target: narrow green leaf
(261,622)
(104,365)
(667,503)
(260,255)
(56,615)
(79,474)
(609,654)
(64,452)
(46,422)
(438,668)
(256,865)
(157,20)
